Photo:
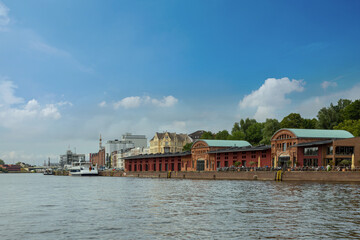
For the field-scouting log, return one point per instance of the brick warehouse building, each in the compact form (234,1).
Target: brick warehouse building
(98,158)
(197,160)
(259,156)
(289,148)
(313,147)
(156,162)
(201,160)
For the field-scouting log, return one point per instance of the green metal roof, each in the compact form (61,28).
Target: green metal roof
(225,143)
(318,133)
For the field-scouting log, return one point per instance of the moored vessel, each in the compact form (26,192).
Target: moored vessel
(83,169)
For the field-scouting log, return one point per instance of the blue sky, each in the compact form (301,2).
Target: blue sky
(70,70)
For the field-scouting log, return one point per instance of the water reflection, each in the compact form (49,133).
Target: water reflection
(47,207)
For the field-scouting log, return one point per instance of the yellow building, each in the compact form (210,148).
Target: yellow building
(168,142)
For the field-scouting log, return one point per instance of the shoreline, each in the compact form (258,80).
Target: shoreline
(332,176)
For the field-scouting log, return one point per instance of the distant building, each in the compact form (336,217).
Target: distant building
(196,135)
(11,167)
(118,146)
(117,158)
(98,158)
(138,140)
(168,142)
(70,157)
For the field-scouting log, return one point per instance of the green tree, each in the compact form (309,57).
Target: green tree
(333,115)
(352,111)
(245,124)
(236,128)
(293,120)
(187,147)
(2,162)
(270,127)
(352,126)
(310,123)
(254,133)
(237,135)
(222,135)
(207,135)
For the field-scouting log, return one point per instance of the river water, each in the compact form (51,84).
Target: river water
(34,206)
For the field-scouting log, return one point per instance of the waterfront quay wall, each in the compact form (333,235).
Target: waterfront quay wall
(332,176)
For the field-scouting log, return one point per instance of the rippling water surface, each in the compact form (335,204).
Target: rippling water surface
(34,206)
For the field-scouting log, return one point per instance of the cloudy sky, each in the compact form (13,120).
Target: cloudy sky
(70,70)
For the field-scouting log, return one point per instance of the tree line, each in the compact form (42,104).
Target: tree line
(345,115)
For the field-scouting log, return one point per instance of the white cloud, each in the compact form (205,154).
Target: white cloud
(167,101)
(136,101)
(13,111)
(128,102)
(50,111)
(7,96)
(102,104)
(271,96)
(327,84)
(64,103)
(4,17)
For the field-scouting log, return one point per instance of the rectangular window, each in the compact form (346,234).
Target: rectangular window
(310,162)
(311,151)
(154,167)
(160,169)
(284,147)
(344,150)
(329,150)
(226,164)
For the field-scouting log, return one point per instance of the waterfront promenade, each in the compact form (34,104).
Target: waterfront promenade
(325,176)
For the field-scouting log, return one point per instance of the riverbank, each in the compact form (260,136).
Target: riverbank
(331,176)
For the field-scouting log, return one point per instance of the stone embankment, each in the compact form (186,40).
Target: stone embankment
(61,173)
(242,175)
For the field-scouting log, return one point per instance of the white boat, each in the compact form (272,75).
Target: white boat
(83,169)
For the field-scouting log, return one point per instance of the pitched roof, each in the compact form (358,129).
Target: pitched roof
(172,136)
(315,143)
(318,133)
(156,155)
(242,149)
(225,143)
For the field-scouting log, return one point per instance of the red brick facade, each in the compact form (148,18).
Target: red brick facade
(290,150)
(98,158)
(247,158)
(286,148)
(158,162)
